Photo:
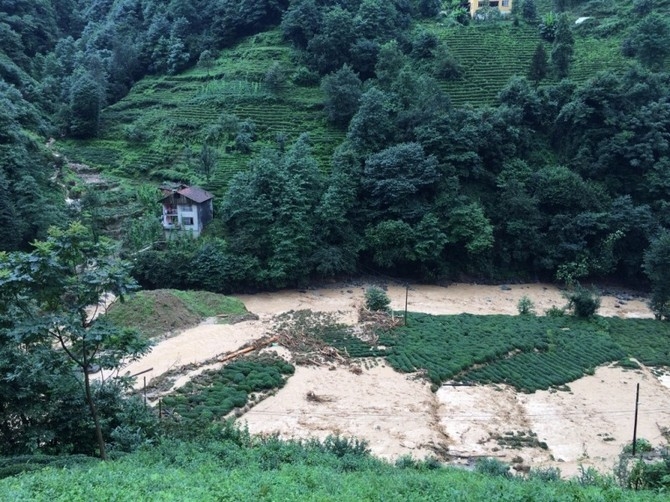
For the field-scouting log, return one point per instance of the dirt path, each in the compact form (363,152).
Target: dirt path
(399,415)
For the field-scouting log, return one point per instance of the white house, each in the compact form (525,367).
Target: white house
(186,208)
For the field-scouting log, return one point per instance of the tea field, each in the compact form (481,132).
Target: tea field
(213,394)
(527,352)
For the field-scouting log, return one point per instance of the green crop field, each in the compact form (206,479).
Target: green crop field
(213,394)
(157,312)
(527,352)
(490,55)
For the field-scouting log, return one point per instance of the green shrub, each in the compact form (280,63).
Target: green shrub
(376,299)
(589,476)
(582,302)
(406,462)
(525,306)
(641,446)
(305,77)
(341,446)
(493,467)
(545,475)
(554,311)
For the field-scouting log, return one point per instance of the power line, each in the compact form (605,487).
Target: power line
(458,417)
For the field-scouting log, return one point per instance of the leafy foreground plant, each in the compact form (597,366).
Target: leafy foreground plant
(377,299)
(227,464)
(50,332)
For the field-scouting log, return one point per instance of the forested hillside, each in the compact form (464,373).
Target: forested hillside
(362,136)
(341,137)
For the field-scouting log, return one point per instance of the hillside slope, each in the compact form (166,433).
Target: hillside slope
(159,129)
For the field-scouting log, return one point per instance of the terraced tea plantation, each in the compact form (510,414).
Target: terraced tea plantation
(158,130)
(491,55)
(527,352)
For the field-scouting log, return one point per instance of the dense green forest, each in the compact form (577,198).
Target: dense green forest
(340,137)
(560,173)
(398,137)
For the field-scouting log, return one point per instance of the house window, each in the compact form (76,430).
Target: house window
(505,3)
(187,221)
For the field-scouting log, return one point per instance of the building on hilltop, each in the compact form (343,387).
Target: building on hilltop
(186,208)
(504,6)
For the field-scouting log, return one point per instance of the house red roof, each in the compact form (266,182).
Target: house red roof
(196,194)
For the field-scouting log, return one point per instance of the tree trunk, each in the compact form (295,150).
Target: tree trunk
(94,414)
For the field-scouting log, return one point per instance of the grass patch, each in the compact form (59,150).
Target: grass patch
(158,312)
(209,304)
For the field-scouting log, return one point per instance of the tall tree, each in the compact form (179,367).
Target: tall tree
(657,269)
(528,10)
(270,214)
(372,127)
(55,294)
(563,48)
(399,181)
(343,90)
(208,160)
(652,41)
(538,65)
(86,99)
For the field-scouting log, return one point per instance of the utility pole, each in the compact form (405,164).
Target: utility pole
(637,400)
(406,297)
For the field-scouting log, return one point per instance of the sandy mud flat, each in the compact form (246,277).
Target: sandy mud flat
(399,415)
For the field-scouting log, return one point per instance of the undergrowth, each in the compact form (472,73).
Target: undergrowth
(227,464)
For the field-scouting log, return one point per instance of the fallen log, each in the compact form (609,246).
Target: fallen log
(257,346)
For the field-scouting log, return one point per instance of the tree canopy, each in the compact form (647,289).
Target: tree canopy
(53,339)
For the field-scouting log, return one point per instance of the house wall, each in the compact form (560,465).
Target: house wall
(504,6)
(189,218)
